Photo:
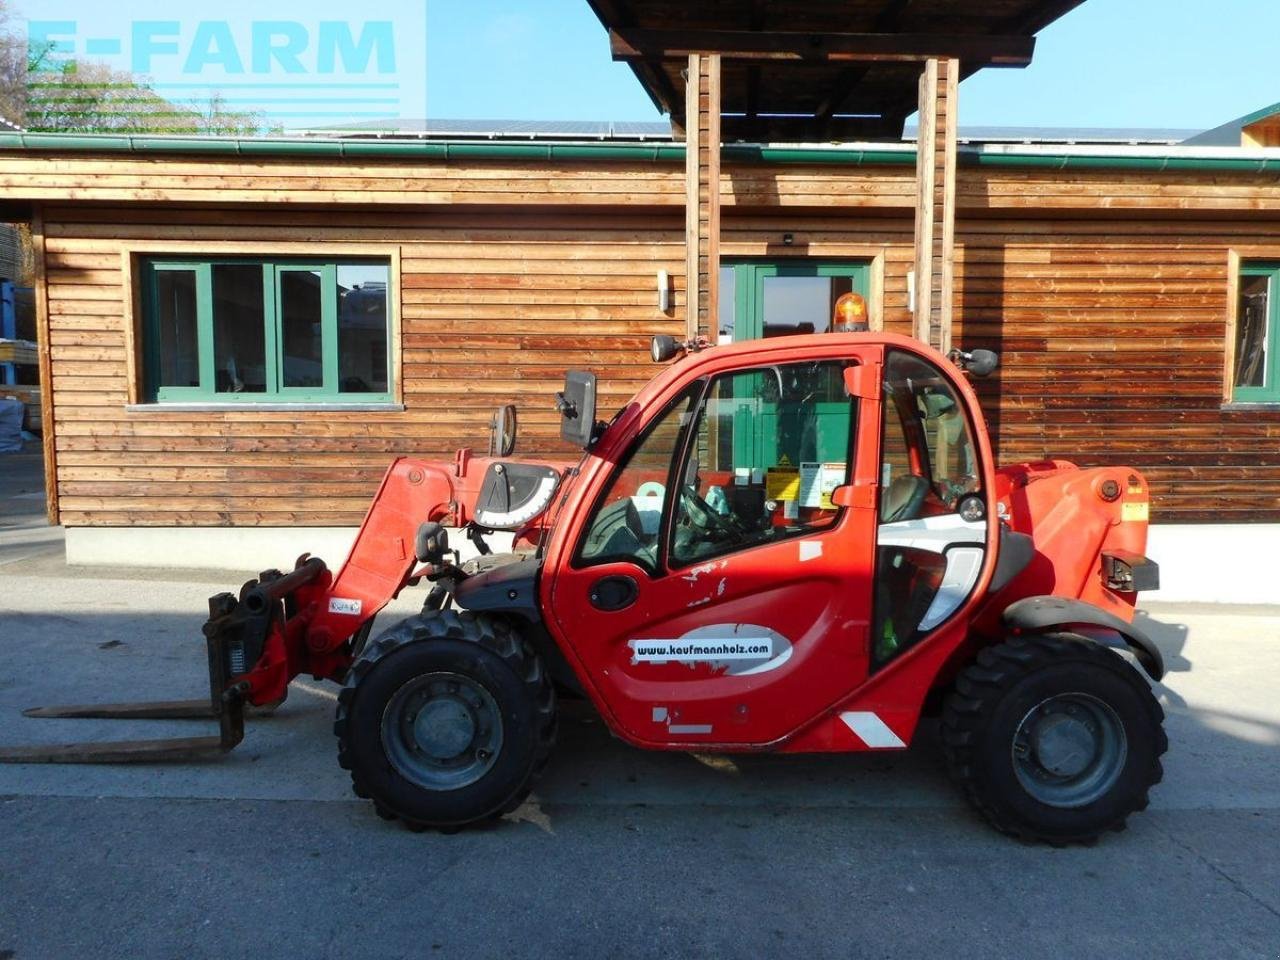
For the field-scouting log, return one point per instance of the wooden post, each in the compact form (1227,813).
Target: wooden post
(702,193)
(46,368)
(936,203)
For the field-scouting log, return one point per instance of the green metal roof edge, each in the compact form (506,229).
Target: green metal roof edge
(1258,115)
(650,152)
(1147,162)
(338,149)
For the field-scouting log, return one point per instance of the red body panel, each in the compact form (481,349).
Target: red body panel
(1065,512)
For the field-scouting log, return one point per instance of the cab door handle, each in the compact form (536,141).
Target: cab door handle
(614,593)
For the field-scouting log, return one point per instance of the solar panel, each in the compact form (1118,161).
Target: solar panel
(464,128)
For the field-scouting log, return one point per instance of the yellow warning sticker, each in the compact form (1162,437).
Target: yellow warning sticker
(1135,511)
(782,483)
(784,461)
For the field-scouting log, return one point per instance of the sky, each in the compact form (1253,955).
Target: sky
(1109,63)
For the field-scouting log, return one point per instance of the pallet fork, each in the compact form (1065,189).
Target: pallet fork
(236,633)
(282,625)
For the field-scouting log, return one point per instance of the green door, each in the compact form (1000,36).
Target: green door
(784,297)
(780,299)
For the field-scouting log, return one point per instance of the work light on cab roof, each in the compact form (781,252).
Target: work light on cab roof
(850,313)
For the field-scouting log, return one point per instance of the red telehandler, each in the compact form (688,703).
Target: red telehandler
(794,545)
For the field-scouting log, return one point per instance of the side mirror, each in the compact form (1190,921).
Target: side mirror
(662,348)
(502,431)
(577,406)
(980,363)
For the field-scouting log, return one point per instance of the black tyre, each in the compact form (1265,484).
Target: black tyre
(1053,738)
(446,720)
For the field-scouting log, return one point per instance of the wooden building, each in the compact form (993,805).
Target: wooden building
(237,335)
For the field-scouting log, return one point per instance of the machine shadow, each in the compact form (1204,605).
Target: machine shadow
(1171,639)
(103,655)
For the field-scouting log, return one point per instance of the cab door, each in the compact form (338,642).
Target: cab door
(720,586)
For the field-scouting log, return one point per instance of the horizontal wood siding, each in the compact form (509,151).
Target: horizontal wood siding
(222,182)
(1111,338)
(1111,343)
(493,309)
(1106,293)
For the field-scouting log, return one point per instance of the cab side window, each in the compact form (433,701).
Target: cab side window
(928,457)
(627,521)
(769,446)
(928,558)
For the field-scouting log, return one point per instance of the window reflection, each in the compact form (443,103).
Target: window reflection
(362,328)
(179,361)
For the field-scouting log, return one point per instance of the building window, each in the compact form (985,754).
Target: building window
(1256,370)
(266,330)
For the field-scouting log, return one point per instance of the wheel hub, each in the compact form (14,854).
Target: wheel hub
(444,728)
(1069,750)
(1064,745)
(442,731)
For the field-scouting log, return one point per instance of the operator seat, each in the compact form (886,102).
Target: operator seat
(903,498)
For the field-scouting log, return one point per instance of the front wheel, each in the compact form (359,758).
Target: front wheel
(445,720)
(1054,738)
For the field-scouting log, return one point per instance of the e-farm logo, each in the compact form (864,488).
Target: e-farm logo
(324,69)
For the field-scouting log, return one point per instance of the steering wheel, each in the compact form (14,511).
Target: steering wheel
(903,498)
(702,515)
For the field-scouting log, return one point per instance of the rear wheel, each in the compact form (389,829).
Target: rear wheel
(446,720)
(1053,737)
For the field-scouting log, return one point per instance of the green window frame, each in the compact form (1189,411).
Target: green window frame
(276,389)
(749,278)
(1269,390)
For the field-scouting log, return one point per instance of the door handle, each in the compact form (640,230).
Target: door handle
(614,593)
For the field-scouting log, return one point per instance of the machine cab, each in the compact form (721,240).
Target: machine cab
(770,528)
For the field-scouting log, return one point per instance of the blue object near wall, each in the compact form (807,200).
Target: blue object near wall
(8,329)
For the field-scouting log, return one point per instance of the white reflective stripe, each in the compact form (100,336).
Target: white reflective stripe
(871,730)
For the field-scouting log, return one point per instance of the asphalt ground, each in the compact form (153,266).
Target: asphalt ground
(619,853)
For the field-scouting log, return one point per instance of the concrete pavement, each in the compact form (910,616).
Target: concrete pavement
(620,853)
(24,532)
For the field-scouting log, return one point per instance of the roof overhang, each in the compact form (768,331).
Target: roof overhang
(1142,158)
(817,70)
